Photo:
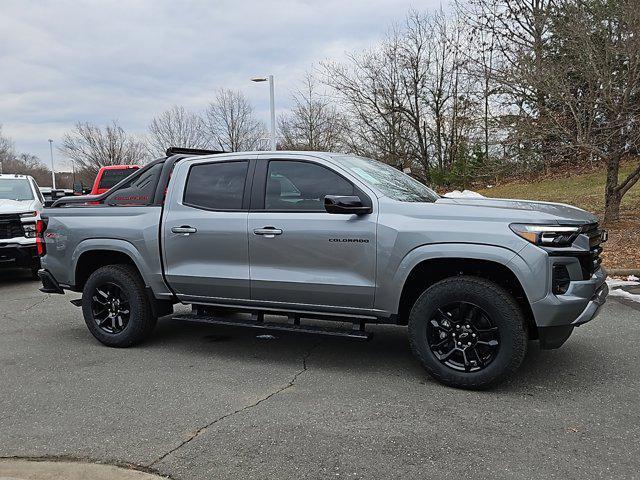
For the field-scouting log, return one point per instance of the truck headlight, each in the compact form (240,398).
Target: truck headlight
(28,214)
(29,230)
(546,235)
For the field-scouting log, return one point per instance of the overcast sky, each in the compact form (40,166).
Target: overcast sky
(68,61)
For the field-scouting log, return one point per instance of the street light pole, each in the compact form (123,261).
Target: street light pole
(53,171)
(272,107)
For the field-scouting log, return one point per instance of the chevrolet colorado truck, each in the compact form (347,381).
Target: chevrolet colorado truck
(20,206)
(322,236)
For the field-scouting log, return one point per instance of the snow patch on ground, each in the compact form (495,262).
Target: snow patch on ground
(614,283)
(615,289)
(624,294)
(463,194)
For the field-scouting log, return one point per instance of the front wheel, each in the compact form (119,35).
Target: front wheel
(468,332)
(115,306)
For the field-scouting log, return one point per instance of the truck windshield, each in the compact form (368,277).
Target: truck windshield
(388,180)
(15,189)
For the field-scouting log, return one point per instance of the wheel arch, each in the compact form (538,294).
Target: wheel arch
(93,254)
(429,269)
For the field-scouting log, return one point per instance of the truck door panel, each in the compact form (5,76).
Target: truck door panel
(299,253)
(205,231)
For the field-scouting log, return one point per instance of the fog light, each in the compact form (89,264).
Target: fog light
(560,280)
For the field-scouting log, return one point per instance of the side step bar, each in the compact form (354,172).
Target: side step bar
(257,322)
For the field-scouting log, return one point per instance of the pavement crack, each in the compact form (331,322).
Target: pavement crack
(39,302)
(204,428)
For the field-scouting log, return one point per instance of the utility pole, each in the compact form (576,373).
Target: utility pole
(53,171)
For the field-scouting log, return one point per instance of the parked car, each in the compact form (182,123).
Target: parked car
(107,177)
(327,236)
(20,205)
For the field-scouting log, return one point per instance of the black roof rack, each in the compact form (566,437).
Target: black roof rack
(190,151)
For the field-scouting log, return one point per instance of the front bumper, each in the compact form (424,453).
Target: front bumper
(18,254)
(593,307)
(559,315)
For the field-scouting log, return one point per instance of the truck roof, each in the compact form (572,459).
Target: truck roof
(118,167)
(13,175)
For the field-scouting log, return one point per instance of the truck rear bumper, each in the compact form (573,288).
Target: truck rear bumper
(17,255)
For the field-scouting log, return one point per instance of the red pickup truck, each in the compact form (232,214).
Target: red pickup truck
(108,176)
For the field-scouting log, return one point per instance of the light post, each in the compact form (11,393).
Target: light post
(53,172)
(272,107)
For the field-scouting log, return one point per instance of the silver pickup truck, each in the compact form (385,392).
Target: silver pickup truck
(321,236)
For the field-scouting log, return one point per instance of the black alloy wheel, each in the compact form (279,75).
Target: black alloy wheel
(110,308)
(462,336)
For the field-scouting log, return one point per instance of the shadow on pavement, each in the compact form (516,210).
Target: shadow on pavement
(16,276)
(388,353)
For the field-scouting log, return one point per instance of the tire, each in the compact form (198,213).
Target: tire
(123,283)
(489,311)
(35,266)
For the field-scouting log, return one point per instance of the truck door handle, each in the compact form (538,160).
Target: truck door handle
(268,231)
(184,229)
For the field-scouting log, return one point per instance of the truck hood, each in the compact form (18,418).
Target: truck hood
(538,212)
(18,206)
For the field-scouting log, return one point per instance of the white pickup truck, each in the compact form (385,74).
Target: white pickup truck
(20,205)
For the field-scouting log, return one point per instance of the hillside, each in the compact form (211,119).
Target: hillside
(587,191)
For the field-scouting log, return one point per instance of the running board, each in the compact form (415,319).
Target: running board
(257,322)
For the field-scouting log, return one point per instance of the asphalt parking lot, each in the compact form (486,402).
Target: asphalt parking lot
(199,402)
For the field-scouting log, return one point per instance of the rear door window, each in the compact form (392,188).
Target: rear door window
(216,186)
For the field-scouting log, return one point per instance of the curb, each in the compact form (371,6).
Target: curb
(59,468)
(621,272)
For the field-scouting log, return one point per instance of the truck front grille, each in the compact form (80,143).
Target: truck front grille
(591,262)
(10,226)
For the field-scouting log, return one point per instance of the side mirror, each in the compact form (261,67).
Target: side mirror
(345,204)
(77,188)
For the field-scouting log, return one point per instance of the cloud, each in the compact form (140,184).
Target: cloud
(69,61)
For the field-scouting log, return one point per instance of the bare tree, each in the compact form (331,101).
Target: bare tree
(369,86)
(7,149)
(408,98)
(91,147)
(175,127)
(21,163)
(313,123)
(230,123)
(514,43)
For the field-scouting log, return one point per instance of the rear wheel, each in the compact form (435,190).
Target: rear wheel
(115,306)
(468,332)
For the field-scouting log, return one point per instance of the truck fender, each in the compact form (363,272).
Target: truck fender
(389,292)
(115,245)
